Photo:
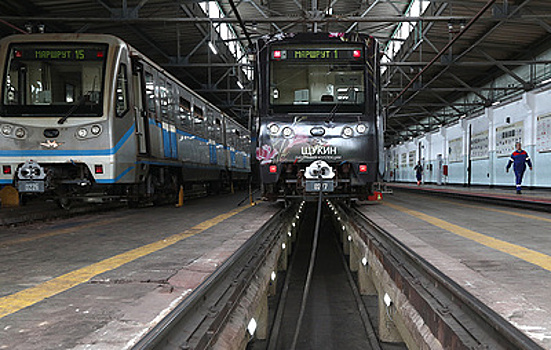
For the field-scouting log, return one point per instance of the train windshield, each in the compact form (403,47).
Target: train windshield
(329,79)
(54,79)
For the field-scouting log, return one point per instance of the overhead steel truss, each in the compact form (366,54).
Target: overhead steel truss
(423,86)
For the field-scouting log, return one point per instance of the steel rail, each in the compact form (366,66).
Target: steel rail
(210,305)
(455,302)
(368,326)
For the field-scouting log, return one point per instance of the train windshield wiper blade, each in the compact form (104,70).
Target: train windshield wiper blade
(72,110)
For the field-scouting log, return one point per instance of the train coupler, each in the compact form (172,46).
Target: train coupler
(319,177)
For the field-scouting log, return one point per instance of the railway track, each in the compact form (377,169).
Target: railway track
(454,316)
(319,304)
(332,315)
(199,320)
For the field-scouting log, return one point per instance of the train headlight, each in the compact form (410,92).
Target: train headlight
(361,128)
(347,131)
(274,129)
(82,133)
(7,129)
(95,129)
(288,132)
(20,133)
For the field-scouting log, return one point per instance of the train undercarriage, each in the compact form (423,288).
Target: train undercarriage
(68,183)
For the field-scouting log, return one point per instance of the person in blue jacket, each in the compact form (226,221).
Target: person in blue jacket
(519,159)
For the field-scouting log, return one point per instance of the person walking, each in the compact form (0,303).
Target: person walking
(519,159)
(418,172)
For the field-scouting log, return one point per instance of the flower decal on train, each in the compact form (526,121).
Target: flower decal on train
(265,154)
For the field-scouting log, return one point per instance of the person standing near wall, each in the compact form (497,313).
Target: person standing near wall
(418,172)
(519,159)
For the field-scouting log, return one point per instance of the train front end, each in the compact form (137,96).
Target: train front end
(56,130)
(319,123)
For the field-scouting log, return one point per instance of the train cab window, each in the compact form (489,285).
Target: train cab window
(121,92)
(150,92)
(184,109)
(48,79)
(333,79)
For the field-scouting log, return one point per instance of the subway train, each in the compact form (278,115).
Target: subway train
(318,119)
(86,116)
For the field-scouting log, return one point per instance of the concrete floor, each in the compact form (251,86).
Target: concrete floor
(501,255)
(100,281)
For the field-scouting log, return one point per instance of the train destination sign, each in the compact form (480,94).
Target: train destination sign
(59,54)
(316,55)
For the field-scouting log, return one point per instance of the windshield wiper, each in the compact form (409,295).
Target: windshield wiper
(79,103)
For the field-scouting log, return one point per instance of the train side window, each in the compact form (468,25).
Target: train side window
(170,100)
(121,95)
(211,133)
(163,99)
(198,119)
(150,92)
(218,129)
(185,112)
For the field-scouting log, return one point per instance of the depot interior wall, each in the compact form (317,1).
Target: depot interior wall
(510,114)
(437,149)
(542,160)
(455,161)
(479,130)
(452,143)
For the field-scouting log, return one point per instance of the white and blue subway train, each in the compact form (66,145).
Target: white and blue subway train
(86,115)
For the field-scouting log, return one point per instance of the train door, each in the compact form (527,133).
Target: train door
(140,115)
(439,174)
(172,136)
(469,161)
(211,137)
(152,119)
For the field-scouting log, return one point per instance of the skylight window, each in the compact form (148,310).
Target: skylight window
(227,34)
(415,9)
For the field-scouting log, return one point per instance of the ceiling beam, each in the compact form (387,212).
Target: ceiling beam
(279,19)
(477,42)
(469,64)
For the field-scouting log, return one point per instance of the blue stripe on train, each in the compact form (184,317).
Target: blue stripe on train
(112,181)
(68,153)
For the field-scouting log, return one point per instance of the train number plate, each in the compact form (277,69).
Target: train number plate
(31,186)
(316,186)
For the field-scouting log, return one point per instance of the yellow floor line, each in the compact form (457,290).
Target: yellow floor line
(30,296)
(508,212)
(531,256)
(57,232)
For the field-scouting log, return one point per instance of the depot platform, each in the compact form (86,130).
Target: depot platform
(501,255)
(101,281)
(530,198)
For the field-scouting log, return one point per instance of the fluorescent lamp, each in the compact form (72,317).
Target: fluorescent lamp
(213,48)
(387,300)
(240,84)
(251,327)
